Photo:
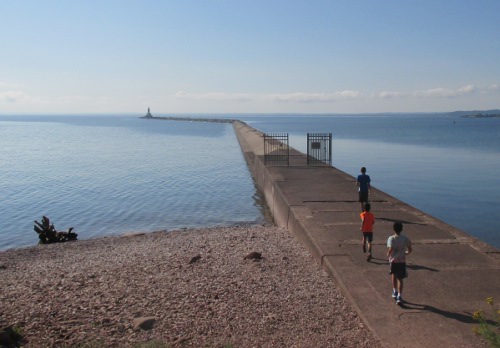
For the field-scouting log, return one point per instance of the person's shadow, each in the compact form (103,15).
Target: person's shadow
(379,261)
(464,318)
(420,268)
(403,221)
(385,262)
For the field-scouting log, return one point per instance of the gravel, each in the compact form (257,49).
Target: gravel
(191,288)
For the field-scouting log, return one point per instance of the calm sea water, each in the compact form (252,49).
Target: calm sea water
(112,175)
(109,175)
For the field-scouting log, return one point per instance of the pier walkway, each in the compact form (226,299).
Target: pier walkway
(450,273)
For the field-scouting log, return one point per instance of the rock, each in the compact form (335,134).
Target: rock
(181,340)
(195,259)
(254,255)
(8,337)
(144,323)
(120,327)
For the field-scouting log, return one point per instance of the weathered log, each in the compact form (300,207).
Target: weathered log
(48,234)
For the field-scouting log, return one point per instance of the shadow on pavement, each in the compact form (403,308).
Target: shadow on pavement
(419,268)
(464,318)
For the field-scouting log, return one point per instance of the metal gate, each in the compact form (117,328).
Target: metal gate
(276,150)
(319,149)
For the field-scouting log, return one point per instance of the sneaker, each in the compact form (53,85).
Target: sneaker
(399,300)
(369,257)
(394,294)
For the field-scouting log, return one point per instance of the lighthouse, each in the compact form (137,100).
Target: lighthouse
(148,115)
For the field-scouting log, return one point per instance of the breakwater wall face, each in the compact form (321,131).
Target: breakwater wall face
(287,210)
(251,142)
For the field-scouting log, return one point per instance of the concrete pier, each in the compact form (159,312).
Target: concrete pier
(450,273)
(187,119)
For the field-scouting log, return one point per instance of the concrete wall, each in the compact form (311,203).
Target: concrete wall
(252,145)
(268,182)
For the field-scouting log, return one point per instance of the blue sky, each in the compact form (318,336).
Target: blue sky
(259,56)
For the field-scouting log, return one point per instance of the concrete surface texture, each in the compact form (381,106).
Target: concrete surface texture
(450,273)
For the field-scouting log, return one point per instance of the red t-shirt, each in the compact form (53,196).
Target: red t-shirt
(368,221)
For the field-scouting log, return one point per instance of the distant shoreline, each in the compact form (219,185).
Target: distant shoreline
(480,115)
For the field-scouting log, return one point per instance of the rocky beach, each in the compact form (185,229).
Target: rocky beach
(246,286)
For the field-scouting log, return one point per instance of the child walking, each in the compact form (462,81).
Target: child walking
(364,187)
(398,246)
(367,222)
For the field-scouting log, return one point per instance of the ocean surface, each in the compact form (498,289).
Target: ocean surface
(106,175)
(113,175)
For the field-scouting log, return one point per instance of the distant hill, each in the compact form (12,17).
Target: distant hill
(477,113)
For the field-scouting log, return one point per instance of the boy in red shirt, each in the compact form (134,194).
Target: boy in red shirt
(367,222)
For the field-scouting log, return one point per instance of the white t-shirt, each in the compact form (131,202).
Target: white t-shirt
(399,245)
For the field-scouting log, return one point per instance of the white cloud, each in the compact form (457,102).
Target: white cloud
(104,100)
(81,99)
(217,96)
(348,94)
(305,97)
(298,97)
(445,92)
(7,85)
(72,98)
(301,97)
(435,93)
(467,89)
(391,95)
(13,97)
(20,98)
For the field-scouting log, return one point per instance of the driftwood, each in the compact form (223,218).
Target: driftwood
(48,234)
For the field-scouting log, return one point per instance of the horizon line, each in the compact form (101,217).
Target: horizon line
(129,113)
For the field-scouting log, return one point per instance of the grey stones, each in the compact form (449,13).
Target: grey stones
(195,259)
(254,255)
(144,323)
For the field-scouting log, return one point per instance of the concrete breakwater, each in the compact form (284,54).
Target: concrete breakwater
(189,119)
(450,272)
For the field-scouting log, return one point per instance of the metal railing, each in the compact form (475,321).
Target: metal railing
(276,149)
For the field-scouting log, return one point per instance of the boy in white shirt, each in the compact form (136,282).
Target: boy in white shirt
(398,246)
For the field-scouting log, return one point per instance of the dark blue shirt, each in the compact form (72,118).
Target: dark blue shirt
(363,181)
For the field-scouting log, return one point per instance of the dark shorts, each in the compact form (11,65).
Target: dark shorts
(368,236)
(363,196)
(399,270)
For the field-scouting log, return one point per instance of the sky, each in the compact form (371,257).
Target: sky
(252,56)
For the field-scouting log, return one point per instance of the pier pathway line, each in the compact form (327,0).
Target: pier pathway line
(450,273)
